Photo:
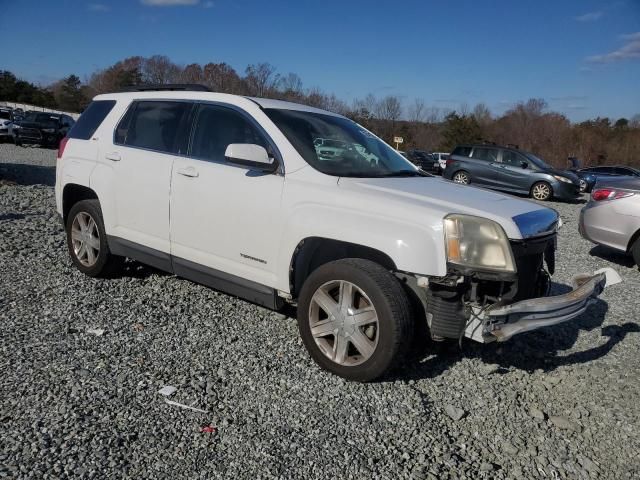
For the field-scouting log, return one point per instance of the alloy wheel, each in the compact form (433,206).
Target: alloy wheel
(85,239)
(343,322)
(583,185)
(461,177)
(541,191)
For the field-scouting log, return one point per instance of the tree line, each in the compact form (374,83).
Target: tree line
(530,124)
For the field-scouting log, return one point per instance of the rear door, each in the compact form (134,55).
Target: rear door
(225,218)
(148,139)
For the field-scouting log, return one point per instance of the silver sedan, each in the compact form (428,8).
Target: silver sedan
(612,216)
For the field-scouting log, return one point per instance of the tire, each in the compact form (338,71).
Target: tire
(18,143)
(635,251)
(462,177)
(541,191)
(361,352)
(86,216)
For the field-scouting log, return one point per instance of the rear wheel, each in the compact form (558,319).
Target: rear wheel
(461,177)
(635,251)
(355,319)
(541,191)
(87,240)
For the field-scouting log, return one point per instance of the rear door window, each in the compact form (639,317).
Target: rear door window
(513,159)
(486,154)
(462,151)
(156,125)
(90,119)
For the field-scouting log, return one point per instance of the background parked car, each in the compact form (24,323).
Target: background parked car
(590,175)
(441,158)
(612,216)
(42,128)
(422,159)
(510,170)
(6,121)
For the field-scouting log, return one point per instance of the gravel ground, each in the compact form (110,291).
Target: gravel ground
(558,403)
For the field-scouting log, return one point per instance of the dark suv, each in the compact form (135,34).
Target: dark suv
(510,170)
(42,128)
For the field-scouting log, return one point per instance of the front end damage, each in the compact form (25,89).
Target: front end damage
(488,306)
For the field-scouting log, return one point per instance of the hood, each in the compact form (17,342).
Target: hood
(519,218)
(565,173)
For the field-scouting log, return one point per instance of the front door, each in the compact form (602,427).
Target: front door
(224,217)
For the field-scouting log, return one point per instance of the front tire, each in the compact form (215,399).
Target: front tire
(87,240)
(541,191)
(355,319)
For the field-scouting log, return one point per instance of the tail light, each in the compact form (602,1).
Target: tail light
(608,194)
(63,143)
(449,161)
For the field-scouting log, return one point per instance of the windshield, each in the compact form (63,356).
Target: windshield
(537,161)
(339,147)
(43,118)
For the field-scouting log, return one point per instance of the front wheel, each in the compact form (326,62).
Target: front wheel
(355,319)
(541,191)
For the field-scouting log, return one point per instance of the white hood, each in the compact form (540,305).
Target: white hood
(439,197)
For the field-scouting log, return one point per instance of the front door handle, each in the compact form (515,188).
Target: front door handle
(113,156)
(188,172)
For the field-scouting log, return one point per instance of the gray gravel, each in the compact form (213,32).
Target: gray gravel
(559,403)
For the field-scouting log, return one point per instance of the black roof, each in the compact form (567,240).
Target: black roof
(193,87)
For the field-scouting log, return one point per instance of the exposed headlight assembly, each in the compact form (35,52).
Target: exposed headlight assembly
(477,243)
(562,179)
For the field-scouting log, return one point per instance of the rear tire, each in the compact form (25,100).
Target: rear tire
(541,191)
(461,177)
(87,240)
(355,319)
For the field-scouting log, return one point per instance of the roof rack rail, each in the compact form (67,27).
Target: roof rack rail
(193,87)
(487,142)
(513,145)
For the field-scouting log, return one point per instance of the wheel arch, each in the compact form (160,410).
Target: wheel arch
(73,193)
(634,238)
(313,252)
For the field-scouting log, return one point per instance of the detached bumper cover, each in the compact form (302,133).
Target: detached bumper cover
(500,323)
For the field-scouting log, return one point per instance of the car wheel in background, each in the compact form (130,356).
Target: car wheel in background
(635,251)
(355,319)
(541,191)
(461,177)
(583,185)
(87,240)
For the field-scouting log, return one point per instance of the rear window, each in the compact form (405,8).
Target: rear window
(462,151)
(155,125)
(486,154)
(5,115)
(91,119)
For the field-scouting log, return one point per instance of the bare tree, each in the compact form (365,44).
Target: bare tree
(159,69)
(260,78)
(417,110)
(221,77)
(290,83)
(389,108)
(482,114)
(192,73)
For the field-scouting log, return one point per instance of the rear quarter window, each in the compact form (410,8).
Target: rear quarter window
(462,151)
(90,119)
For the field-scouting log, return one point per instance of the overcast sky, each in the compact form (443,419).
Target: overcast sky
(582,56)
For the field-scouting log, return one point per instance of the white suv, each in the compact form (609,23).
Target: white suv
(231,192)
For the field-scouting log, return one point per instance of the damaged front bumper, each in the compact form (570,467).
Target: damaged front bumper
(501,322)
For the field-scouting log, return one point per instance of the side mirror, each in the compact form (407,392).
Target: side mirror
(250,155)
(524,165)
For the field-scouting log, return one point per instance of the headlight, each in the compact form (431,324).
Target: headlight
(477,242)
(562,179)
(49,130)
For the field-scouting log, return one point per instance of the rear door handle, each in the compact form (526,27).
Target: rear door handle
(113,156)
(188,172)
